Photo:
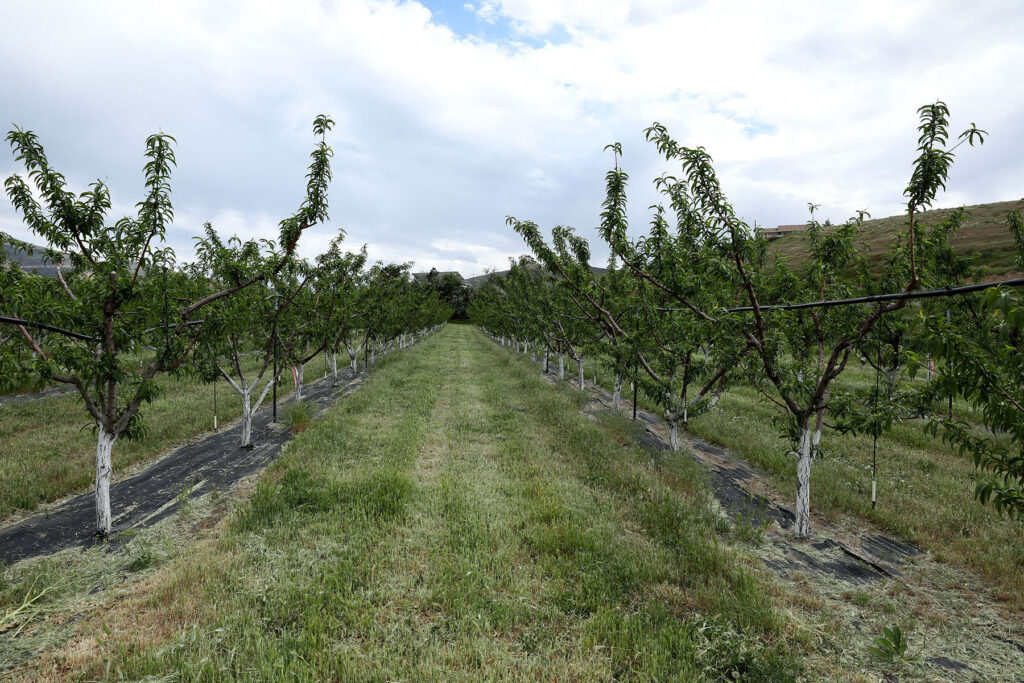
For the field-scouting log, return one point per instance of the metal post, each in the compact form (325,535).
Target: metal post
(951,394)
(274,377)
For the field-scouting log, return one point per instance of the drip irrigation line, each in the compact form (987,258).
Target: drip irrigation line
(50,328)
(925,294)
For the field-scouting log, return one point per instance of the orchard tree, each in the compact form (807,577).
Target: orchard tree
(982,348)
(799,354)
(341,298)
(105,308)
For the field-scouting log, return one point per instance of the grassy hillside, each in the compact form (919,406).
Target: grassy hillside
(984,233)
(32,263)
(479,280)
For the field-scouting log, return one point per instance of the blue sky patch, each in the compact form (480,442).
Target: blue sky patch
(462,18)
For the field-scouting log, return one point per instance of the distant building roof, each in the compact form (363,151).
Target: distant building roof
(781,230)
(787,228)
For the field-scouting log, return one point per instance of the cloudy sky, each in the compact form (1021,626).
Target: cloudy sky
(452,115)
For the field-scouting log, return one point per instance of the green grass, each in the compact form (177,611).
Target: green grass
(49,446)
(984,233)
(457,518)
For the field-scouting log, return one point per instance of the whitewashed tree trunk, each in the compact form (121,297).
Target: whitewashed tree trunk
(717,395)
(617,393)
(547,361)
(246,418)
(353,354)
(580,363)
(803,484)
(890,377)
(561,366)
(298,382)
(373,355)
(673,433)
(332,364)
(104,469)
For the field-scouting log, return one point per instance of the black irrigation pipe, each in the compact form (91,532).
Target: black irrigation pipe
(51,328)
(925,294)
(68,333)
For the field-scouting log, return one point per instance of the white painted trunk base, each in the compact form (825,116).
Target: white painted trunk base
(104,470)
(617,393)
(673,434)
(246,420)
(803,485)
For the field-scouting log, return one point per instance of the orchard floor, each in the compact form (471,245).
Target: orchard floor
(214,462)
(460,518)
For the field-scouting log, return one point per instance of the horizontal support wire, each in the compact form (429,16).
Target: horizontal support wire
(50,328)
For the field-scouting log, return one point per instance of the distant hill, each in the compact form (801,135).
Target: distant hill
(440,274)
(31,263)
(984,232)
(478,280)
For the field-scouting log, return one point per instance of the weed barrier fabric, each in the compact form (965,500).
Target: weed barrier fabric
(215,462)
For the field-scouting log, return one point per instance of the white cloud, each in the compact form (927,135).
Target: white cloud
(439,137)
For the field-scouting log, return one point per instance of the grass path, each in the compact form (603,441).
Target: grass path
(455,519)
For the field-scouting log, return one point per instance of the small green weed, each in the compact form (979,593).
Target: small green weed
(140,556)
(747,529)
(892,646)
(185,499)
(298,416)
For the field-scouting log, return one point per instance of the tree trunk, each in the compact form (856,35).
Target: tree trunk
(890,377)
(580,363)
(104,469)
(617,394)
(561,366)
(718,394)
(673,434)
(373,355)
(334,368)
(298,382)
(246,420)
(803,484)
